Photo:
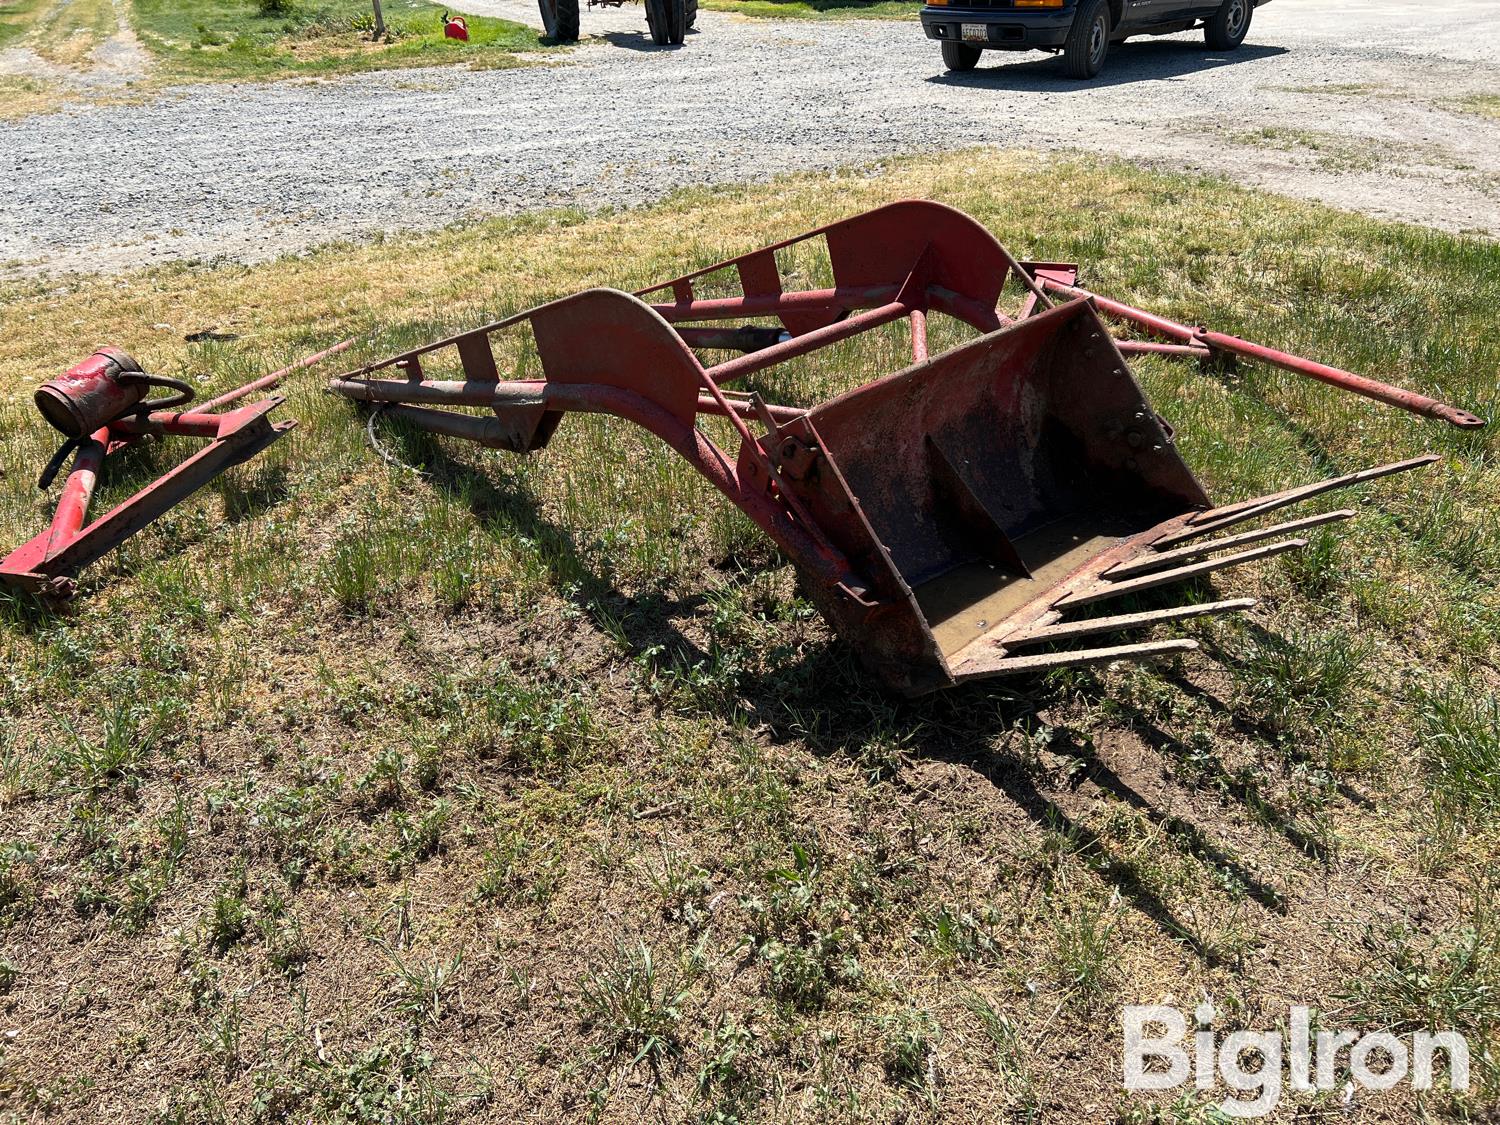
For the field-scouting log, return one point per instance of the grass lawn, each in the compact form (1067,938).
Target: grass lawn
(530,789)
(20,97)
(17,17)
(237,39)
(62,33)
(818,9)
(198,40)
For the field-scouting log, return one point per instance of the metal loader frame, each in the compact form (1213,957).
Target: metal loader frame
(958,519)
(949,519)
(48,563)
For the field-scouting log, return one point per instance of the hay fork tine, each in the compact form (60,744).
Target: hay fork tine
(1067,630)
(1105,588)
(1217,518)
(1166,558)
(1045,662)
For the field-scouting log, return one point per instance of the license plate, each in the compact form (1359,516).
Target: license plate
(979,31)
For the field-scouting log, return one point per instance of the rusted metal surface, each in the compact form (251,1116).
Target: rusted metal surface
(948,518)
(92,393)
(101,405)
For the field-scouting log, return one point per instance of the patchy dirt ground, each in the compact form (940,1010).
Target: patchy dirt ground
(1357,105)
(528,790)
(114,62)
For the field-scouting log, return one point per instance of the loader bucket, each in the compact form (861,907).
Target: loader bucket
(975,484)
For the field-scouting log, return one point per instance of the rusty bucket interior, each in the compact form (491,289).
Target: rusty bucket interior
(975,484)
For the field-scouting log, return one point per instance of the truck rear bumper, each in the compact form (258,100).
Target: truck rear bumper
(1005,29)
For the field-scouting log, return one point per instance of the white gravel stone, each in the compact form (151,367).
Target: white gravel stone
(250,171)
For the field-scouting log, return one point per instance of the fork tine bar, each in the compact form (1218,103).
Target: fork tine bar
(1066,631)
(1106,589)
(1020,665)
(1216,518)
(1145,563)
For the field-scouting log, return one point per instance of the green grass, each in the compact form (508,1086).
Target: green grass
(62,37)
(235,39)
(818,9)
(20,97)
(1340,89)
(347,793)
(1330,152)
(17,18)
(200,40)
(634,1006)
(1460,737)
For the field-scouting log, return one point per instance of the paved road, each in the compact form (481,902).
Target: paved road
(1352,103)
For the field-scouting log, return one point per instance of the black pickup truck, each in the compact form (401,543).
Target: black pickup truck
(1082,30)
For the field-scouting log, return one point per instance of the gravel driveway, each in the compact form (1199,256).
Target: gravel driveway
(1351,103)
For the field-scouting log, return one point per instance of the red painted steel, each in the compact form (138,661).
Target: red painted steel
(1220,342)
(268,382)
(934,513)
(107,391)
(78,491)
(944,517)
(92,393)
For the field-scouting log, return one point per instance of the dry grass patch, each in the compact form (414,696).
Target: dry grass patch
(1486,105)
(21,97)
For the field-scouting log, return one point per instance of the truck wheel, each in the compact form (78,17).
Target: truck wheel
(1088,40)
(691,8)
(667,20)
(560,20)
(1226,28)
(960,56)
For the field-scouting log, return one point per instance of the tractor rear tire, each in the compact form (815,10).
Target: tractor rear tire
(560,20)
(667,20)
(691,8)
(1226,29)
(960,56)
(1087,45)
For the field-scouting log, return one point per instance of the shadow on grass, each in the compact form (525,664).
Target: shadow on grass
(244,500)
(826,703)
(819,697)
(642,622)
(1233,786)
